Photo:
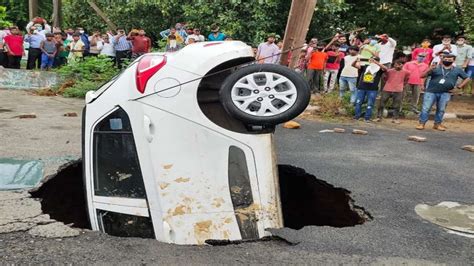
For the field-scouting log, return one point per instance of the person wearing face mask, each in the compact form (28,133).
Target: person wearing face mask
(416,68)
(34,39)
(316,67)
(445,47)
(69,32)
(85,40)
(464,54)
(424,49)
(443,81)
(369,49)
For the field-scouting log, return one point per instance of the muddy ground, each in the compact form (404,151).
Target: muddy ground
(386,174)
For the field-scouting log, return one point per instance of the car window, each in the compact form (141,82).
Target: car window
(124,225)
(116,165)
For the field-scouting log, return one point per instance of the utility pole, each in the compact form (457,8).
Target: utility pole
(32,8)
(57,14)
(297,27)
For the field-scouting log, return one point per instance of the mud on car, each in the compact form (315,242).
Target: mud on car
(179,147)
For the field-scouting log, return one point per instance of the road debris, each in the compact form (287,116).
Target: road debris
(23,116)
(468,148)
(417,138)
(292,125)
(359,132)
(327,131)
(70,114)
(339,130)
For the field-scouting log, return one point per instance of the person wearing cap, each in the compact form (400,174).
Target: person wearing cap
(216,35)
(425,49)
(416,68)
(445,47)
(197,36)
(443,80)
(268,51)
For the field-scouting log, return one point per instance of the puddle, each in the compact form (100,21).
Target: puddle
(307,200)
(450,215)
(19,174)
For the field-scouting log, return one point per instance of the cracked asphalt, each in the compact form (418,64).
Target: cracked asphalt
(386,174)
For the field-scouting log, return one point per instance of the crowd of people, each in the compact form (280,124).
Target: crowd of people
(49,47)
(371,67)
(365,67)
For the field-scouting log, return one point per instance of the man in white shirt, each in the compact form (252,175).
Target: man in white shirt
(349,74)
(196,36)
(387,49)
(444,47)
(268,51)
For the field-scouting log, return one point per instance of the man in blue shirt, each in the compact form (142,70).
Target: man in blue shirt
(443,79)
(216,35)
(34,39)
(122,47)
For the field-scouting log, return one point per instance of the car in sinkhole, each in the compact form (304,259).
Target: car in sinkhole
(179,146)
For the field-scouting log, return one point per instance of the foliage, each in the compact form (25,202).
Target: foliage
(17,11)
(86,75)
(3,17)
(468,18)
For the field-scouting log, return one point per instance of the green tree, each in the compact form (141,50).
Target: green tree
(3,17)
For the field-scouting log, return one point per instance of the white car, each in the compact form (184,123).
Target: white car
(179,146)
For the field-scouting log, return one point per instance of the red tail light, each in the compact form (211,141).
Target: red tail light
(147,67)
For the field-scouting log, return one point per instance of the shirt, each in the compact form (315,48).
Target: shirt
(268,52)
(349,71)
(444,80)
(369,79)
(3,34)
(219,37)
(197,38)
(85,41)
(108,49)
(395,80)
(79,45)
(464,54)
(122,44)
(427,51)
(64,53)
(35,40)
(440,47)
(416,70)
(15,44)
(344,48)
(386,51)
(95,49)
(334,60)
(317,60)
(140,44)
(365,55)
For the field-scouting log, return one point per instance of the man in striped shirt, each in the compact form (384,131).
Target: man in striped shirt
(122,47)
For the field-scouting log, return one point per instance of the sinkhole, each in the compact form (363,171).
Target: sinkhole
(305,199)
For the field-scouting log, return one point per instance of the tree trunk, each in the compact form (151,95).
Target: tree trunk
(32,8)
(57,14)
(297,27)
(101,14)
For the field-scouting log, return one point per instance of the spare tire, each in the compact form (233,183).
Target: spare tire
(265,94)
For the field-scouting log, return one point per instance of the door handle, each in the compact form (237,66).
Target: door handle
(148,128)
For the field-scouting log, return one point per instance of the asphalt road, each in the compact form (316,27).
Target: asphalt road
(387,175)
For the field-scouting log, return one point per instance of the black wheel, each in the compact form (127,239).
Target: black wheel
(265,94)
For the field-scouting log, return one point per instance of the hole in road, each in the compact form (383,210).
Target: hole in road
(62,196)
(307,200)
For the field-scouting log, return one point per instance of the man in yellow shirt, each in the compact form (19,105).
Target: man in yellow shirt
(76,48)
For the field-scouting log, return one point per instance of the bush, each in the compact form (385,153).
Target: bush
(331,105)
(85,75)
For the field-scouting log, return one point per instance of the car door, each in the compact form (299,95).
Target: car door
(119,198)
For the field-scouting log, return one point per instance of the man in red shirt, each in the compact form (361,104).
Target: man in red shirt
(14,46)
(317,63)
(395,80)
(424,49)
(416,68)
(141,44)
(333,64)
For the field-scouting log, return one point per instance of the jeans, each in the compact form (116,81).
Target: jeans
(371,96)
(441,99)
(345,82)
(46,61)
(314,78)
(330,79)
(415,95)
(396,103)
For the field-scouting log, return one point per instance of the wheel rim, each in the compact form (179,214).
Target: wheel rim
(264,94)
